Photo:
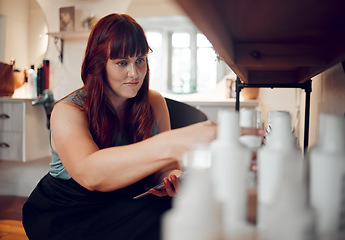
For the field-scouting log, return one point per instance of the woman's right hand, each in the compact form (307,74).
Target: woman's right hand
(184,139)
(203,132)
(199,133)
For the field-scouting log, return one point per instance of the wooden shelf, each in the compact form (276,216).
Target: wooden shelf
(273,41)
(62,36)
(77,35)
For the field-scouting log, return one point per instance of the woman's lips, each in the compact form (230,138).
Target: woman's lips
(132,83)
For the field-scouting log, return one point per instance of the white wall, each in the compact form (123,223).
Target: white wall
(65,77)
(149,8)
(37,37)
(328,95)
(2,37)
(24,33)
(17,16)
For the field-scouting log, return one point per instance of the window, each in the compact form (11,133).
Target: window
(206,64)
(181,65)
(155,59)
(183,60)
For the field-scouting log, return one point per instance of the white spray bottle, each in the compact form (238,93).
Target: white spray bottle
(230,167)
(194,213)
(279,157)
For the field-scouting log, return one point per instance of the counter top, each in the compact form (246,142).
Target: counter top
(15,99)
(219,102)
(214,97)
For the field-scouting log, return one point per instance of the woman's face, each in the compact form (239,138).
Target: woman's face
(126,75)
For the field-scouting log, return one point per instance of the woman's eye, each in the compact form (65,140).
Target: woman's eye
(140,60)
(123,63)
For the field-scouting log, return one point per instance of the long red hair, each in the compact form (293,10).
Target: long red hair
(115,36)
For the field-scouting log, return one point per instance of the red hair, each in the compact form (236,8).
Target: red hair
(115,36)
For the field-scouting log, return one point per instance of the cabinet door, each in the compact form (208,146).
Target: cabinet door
(11,116)
(11,146)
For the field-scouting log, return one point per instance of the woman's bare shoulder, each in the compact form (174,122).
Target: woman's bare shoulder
(66,112)
(160,110)
(66,107)
(157,101)
(68,125)
(155,96)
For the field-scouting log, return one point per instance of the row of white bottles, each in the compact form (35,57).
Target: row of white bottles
(212,201)
(327,177)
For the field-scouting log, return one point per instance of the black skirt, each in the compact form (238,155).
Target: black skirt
(63,209)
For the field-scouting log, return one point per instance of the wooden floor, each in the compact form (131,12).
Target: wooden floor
(11,227)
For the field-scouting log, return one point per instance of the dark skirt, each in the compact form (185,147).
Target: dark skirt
(63,209)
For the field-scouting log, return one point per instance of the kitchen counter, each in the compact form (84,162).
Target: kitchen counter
(211,105)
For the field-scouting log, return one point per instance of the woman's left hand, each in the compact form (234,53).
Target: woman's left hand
(171,187)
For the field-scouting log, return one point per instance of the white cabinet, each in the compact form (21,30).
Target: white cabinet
(23,130)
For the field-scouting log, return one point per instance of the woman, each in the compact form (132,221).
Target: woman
(110,142)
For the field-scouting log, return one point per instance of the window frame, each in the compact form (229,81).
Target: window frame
(178,24)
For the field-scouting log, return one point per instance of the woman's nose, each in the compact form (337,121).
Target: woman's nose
(133,71)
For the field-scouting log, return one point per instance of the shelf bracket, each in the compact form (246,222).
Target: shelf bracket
(60,49)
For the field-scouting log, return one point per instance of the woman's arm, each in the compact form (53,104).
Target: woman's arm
(161,113)
(117,167)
